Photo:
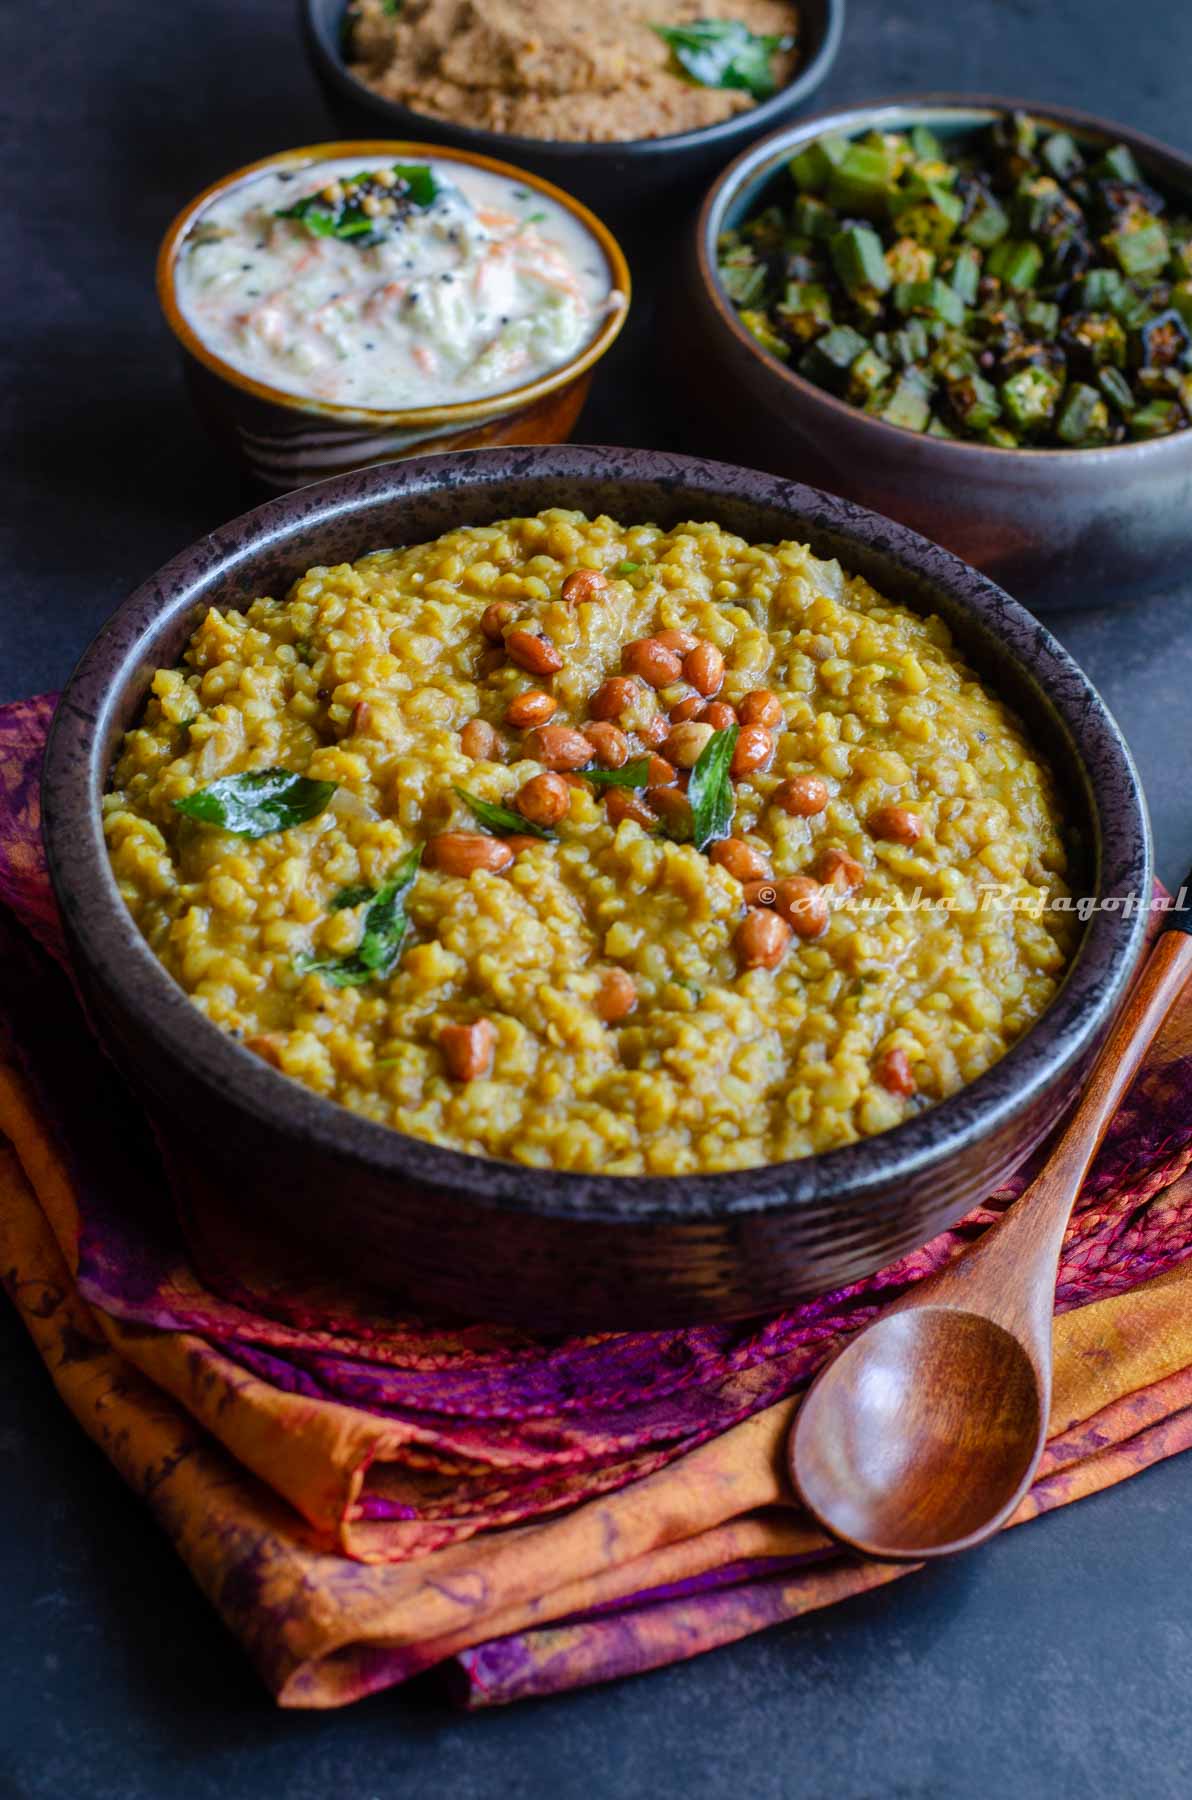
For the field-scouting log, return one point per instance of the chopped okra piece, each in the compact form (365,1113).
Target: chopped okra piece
(1118,164)
(861,182)
(1141,248)
(812,165)
(1000,437)
(1016,262)
(1041,318)
(813,218)
(974,401)
(987,224)
(1061,155)
(1181,300)
(1117,390)
(1163,340)
(866,376)
(925,144)
(934,298)
(965,274)
(1094,339)
(758,326)
(909,405)
(1101,289)
(1030,397)
(927,212)
(1083,418)
(743,282)
(1156,419)
(859,260)
(937,428)
(827,362)
(806,310)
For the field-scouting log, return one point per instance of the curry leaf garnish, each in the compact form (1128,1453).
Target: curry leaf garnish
(414,185)
(724,53)
(383,936)
(501,819)
(634,774)
(351,896)
(627,568)
(258,802)
(710,790)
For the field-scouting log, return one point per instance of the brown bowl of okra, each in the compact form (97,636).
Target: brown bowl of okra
(973,315)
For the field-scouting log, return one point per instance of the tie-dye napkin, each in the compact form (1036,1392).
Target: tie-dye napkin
(364,1492)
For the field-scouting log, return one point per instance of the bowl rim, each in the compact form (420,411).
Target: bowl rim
(807,77)
(891,112)
(453,412)
(114,954)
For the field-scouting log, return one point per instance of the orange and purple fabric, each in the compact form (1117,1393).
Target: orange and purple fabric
(364,1493)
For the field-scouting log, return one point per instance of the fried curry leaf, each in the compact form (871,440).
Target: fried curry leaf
(501,819)
(635,774)
(383,936)
(724,53)
(351,896)
(258,802)
(710,790)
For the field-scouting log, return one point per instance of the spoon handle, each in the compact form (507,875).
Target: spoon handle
(1023,1249)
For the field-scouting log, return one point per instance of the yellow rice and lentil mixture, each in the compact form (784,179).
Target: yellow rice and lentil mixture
(609,998)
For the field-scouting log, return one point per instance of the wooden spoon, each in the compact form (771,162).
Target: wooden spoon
(923,1434)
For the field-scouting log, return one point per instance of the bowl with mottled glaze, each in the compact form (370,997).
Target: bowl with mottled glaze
(283,439)
(547,1247)
(1056,527)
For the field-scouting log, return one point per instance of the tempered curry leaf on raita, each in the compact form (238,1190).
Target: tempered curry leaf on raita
(258,802)
(396,192)
(724,53)
(382,939)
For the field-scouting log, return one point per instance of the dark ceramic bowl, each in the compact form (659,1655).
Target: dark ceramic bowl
(622,181)
(1055,527)
(284,440)
(569,1250)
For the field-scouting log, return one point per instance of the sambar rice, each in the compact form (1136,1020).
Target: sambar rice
(607,997)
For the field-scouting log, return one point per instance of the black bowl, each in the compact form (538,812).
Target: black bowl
(540,1247)
(627,182)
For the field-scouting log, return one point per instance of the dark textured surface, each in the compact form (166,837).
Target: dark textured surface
(1054,1664)
(531,1246)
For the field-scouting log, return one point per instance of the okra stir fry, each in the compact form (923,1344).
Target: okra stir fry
(1018,291)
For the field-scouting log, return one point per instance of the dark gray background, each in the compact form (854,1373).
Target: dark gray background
(1056,1662)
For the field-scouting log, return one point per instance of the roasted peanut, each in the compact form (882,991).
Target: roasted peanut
(803,796)
(267,1046)
(495,617)
(585,584)
(674,806)
(559,747)
(740,859)
(463,852)
(761,939)
(649,659)
(681,642)
(537,655)
(613,697)
(703,667)
(531,708)
(655,731)
(759,893)
(803,904)
(688,708)
(893,1071)
(543,799)
(490,660)
(468,1049)
(361,714)
(719,715)
(616,996)
(837,869)
(753,750)
(627,803)
(517,843)
(897,823)
(610,744)
(686,742)
(761,707)
(479,741)
(661,773)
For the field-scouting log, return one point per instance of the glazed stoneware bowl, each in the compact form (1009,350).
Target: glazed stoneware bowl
(1056,527)
(563,1250)
(284,440)
(625,182)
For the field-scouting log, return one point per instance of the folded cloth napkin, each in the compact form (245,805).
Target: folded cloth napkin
(364,1492)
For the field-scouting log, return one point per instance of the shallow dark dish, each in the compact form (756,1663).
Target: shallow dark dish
(552,1249)
(619,180)
(1055,527)
(284,440)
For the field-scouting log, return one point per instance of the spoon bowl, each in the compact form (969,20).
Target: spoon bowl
(922,1435)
